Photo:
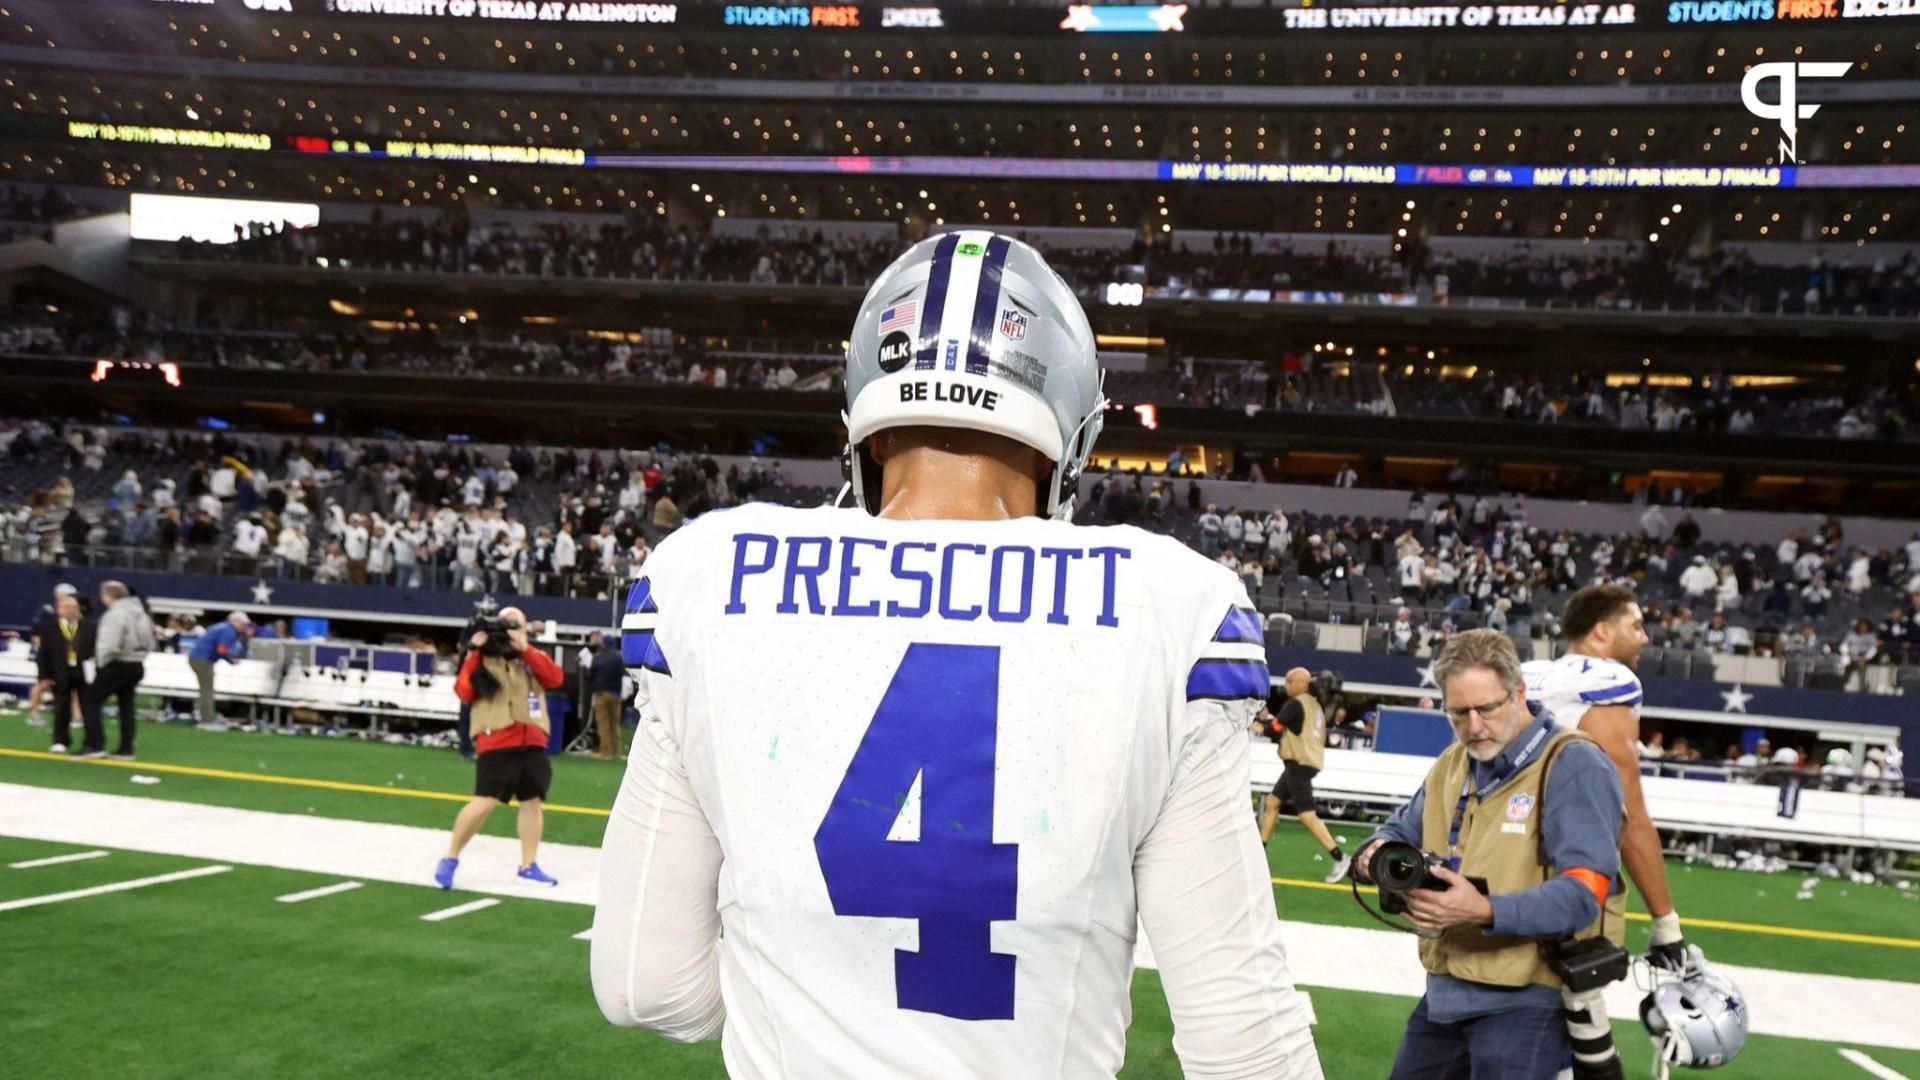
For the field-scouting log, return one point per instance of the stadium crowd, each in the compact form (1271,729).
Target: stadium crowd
(576,522)
(1448,565)
(415,515)
(1636,276)
(1309,384)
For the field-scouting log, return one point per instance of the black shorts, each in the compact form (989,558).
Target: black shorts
(1295,786)
(522,773)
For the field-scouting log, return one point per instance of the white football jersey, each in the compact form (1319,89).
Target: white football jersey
(934,755)
(1571,685)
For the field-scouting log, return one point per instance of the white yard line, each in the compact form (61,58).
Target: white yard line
(1826,1008)
(363,851)
(1872,1066)
(458,910)
(118,886)
(315,894)
(78,856)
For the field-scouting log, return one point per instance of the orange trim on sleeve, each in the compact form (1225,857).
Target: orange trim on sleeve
(1595,881)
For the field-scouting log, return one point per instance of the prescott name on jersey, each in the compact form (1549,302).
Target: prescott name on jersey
(903,792)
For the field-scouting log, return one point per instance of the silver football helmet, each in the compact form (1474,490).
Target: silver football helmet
(1697,1020)
(973,329)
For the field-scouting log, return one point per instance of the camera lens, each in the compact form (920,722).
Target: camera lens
(1398,867)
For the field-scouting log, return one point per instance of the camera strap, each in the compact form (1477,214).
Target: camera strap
(1500,776)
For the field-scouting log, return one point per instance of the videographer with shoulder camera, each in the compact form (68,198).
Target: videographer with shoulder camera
(1507,861)
(505,680)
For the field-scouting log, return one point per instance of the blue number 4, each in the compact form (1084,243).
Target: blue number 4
(936,721)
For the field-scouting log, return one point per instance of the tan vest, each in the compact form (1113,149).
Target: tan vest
(1309,748)
(1500,841)
(521,700)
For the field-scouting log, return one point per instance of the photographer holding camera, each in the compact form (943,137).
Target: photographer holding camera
(505,680)
(1507,861)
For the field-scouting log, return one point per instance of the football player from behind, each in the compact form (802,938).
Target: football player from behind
(908,776)
(1595,686)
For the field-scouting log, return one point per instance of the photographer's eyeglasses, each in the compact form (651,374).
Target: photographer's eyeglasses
(1465,712)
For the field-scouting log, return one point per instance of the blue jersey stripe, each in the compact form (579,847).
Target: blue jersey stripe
(1634,700)
(934,306)
(1239,627)
(986,305)
(1228,680)
(639,648)
(1608,693)
(640,597)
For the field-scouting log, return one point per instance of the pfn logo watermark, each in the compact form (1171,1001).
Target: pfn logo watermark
(1787,111)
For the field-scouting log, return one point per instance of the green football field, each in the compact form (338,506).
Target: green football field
(209,976)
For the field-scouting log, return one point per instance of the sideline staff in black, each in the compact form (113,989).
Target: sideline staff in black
(1301,730)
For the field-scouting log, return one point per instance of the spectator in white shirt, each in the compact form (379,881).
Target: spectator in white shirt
(1807,565)
(249,536)
(565,550)
(291,548)
(1404,634)
(221,481)
(1859,574)
(333,566)
(1727,595)
(353,540)
(1210,530)
(1412,572)
(379,553)
(1699,579)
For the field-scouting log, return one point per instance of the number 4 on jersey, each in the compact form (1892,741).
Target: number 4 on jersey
(937,721)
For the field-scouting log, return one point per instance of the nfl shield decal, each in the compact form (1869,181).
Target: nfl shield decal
(1519,807)
(1013,325)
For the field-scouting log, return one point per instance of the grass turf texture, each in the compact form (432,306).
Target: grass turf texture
(214,976)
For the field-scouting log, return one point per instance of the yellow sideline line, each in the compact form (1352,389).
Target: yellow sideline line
(594,811)
(1705,924)
(283,781)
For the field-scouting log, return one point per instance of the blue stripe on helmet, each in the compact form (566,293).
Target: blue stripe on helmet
(986,304)
(935,303)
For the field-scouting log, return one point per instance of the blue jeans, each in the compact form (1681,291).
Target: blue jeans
(1520,1044)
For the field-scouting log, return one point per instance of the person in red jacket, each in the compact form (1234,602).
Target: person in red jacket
(506,684)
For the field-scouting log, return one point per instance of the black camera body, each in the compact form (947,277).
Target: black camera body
(1398,869)
(1325,687)
(498,644)
(1588,963)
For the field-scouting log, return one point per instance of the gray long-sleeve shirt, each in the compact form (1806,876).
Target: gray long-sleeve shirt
(1580,827)
(125,633)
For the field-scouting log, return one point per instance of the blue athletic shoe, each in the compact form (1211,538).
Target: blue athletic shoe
(533,875)
(443,874)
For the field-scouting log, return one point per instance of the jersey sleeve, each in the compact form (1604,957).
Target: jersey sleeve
(1200,875)
(656,931)
(644,627)
(1606,682)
